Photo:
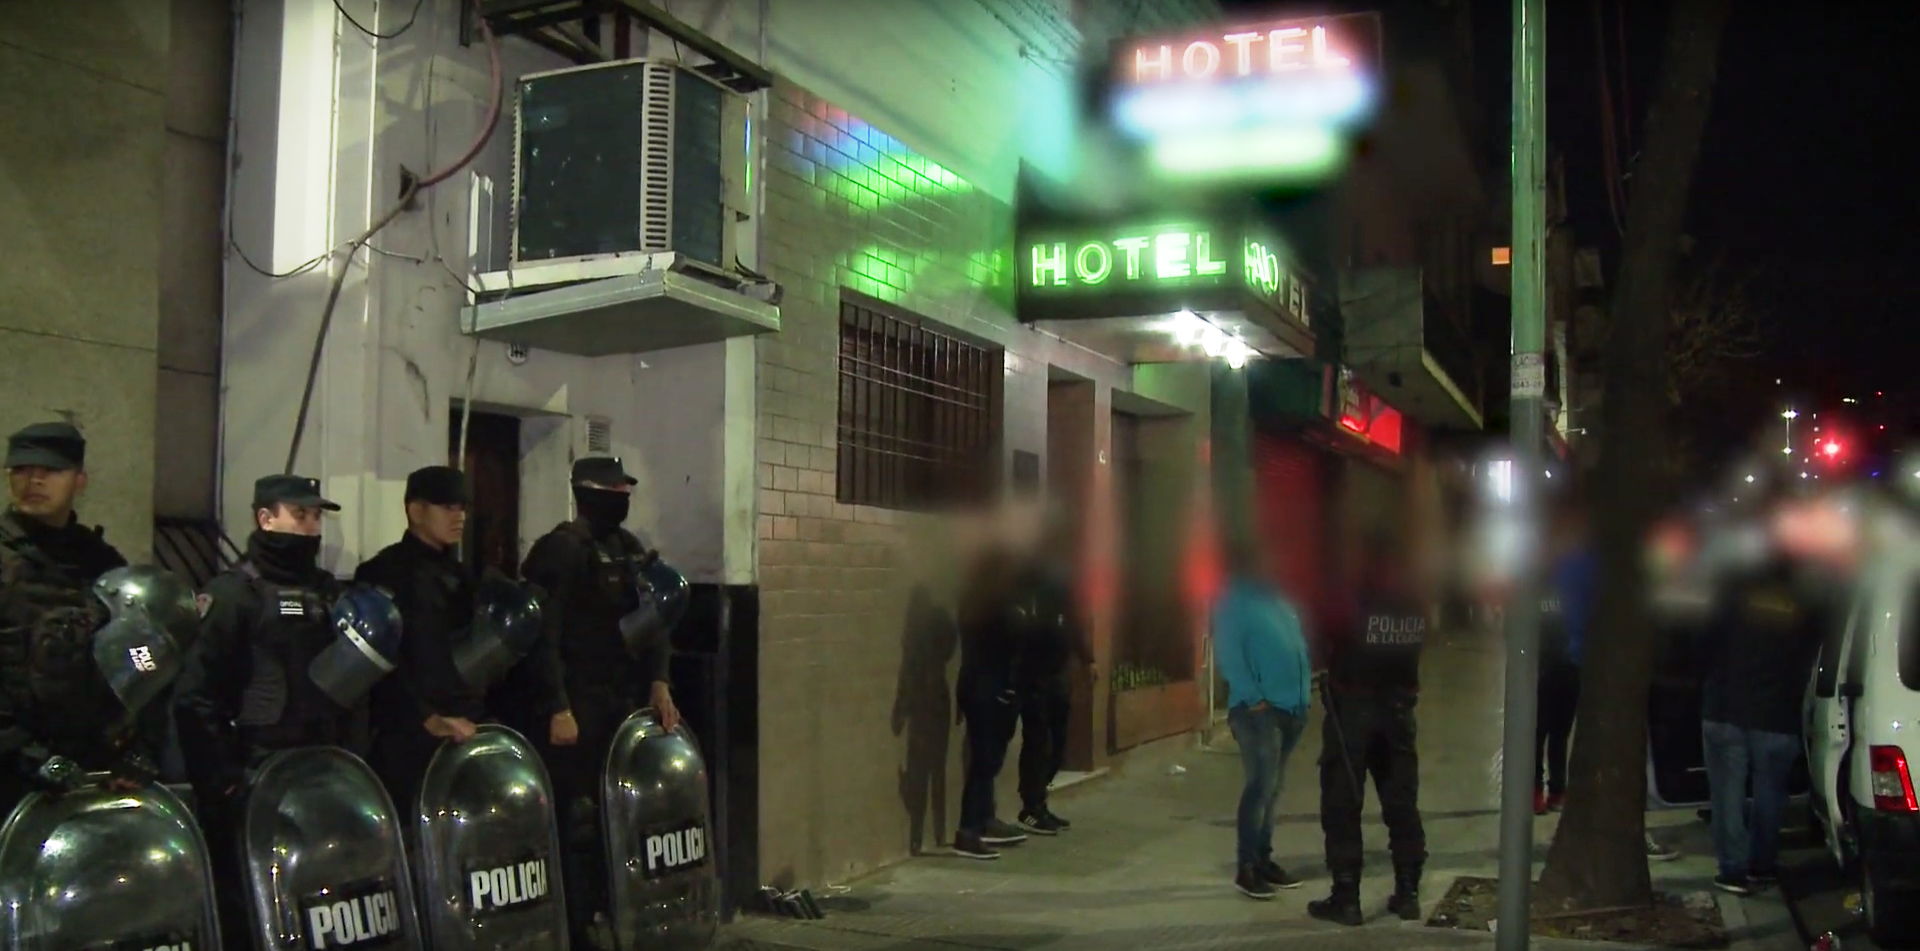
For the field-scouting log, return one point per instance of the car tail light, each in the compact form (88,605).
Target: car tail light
(1892,782)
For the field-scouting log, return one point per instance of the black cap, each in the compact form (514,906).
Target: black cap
(602,470)
(269,491)
(48,445)
(437,485)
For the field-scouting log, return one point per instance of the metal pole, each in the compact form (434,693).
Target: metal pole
(1527,414)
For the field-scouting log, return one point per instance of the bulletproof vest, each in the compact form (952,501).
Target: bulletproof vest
(1384,652)
(590,647)
(1555,647)
(279,705)
(47,619)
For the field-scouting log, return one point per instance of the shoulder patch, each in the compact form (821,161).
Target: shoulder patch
(203,603)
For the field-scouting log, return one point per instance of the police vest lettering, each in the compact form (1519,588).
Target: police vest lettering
(507,886)
(1549,605)
(1396,630)
(292,604)
(353,922)
(670,852)
(149,943)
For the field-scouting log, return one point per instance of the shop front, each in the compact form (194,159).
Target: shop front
(1206,295)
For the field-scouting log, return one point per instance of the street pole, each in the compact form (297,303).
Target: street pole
(1527,395)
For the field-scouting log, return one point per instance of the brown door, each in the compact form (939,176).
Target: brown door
(492,465)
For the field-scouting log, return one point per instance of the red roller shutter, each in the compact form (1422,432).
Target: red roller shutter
(1289,497)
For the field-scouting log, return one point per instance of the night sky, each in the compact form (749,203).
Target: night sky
(1805,181)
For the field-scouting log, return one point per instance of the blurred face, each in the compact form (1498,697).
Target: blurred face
(289,520)
(440,525)
(45,494)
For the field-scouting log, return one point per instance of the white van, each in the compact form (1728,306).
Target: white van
(1862,730)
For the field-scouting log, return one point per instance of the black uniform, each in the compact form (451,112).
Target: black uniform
(1052,644)
(244,692)
(1373,681)
(53,701)
(590,571)
(434,593)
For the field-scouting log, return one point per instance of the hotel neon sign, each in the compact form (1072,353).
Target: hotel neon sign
(1169,256)
(1276,49)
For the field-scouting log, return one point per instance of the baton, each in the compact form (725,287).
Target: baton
(1340,737)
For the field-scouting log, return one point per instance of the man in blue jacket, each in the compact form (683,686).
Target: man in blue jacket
(1565,610)
(1261,652)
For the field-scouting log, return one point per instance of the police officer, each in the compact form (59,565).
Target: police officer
(426,700)
(1372,681)
(244,692)
(591,569)
(53,701)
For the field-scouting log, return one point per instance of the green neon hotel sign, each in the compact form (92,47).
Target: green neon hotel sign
(1149,257)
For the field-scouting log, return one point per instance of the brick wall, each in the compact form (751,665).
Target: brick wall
(848,205)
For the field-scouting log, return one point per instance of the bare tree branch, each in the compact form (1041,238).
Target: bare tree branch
(1714,321)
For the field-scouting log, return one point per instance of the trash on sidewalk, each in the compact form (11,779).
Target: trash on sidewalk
(798,903)
(1176,770)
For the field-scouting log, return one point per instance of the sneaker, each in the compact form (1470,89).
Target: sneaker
(1733,885)
(1277,876)
(1039,823)
(968,845)
(1555,801)
(1000,833)
(1656,852)
(1058,823)
(1253,884)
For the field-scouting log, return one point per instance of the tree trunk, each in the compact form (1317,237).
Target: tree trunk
(1598,859)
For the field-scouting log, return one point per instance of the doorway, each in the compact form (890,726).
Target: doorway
(492,465)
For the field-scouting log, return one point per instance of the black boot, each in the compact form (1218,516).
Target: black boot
(1406,894)
(1342,907)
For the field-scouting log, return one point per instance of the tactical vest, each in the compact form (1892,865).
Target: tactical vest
(47,620)
(590,648)
(279,705)
(1384,654)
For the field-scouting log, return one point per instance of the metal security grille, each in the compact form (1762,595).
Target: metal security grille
(919,413)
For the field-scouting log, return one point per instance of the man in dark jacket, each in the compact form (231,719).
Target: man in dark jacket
(1761,641)
(426,700)
(1565,609)
(53,700)
(1054,649)
(585,680)
(987,699)
(244,692)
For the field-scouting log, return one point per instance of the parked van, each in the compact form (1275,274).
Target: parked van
(1862,728)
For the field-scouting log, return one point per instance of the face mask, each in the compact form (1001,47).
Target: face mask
(289,549)
(602,508)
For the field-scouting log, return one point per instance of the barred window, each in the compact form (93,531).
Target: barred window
(919,411)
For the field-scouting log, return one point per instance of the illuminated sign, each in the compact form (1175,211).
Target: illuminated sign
(1277,48)
(1153,256)
(1268,277)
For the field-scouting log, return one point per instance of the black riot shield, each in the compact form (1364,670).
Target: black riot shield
(489,850)
(102,869)
(326,861)
(506,625)
(666,893)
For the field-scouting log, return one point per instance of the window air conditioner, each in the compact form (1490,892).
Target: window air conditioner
(633,157)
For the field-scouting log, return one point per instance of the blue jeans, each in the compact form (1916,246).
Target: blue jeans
(1266,737)
(1743,843)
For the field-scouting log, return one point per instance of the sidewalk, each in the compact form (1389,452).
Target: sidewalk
(1149,862)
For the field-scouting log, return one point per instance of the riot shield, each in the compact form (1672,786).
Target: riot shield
(489,850)
(326,861)
(666,892)
(100,869)
(366,646)
(506,625)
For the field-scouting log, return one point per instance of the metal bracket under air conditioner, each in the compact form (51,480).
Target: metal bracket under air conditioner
(537,21)
(619,303)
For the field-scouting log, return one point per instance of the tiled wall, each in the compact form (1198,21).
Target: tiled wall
(849,206)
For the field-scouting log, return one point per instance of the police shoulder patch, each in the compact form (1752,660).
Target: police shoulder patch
(203,603)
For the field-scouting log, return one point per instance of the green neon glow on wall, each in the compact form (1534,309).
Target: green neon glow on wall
(1165,255)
